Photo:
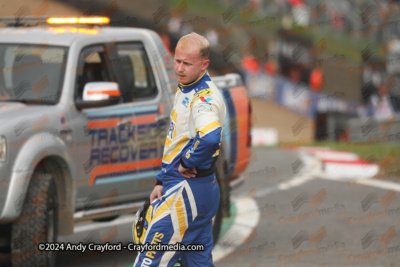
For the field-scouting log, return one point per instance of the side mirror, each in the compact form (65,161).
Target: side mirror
(99,94)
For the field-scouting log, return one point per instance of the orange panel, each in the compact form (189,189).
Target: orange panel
(110,168)
(103,123)
(114,122)
(241,103)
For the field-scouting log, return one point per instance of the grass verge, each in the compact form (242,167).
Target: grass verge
(387,155)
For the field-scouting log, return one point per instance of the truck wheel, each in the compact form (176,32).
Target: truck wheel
(37,224)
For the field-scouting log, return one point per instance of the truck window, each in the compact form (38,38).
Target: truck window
(31,72)
(92,67)
(137,72)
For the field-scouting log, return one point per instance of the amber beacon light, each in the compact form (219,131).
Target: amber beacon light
(82,20)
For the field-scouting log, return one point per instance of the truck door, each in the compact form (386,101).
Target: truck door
(96,137)
(144,114)
(126,140)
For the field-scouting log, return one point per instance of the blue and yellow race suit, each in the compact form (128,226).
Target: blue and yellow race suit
(184,213)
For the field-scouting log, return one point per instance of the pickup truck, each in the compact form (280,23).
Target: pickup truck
(84,111)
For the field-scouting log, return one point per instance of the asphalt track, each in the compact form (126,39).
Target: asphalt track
(315,221)
(300,222)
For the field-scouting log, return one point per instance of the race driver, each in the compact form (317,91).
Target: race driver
(186,196)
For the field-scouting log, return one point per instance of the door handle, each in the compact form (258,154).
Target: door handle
(124,124)
(159,127)
(162,117)
(65,131)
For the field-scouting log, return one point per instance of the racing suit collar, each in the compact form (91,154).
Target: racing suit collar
(186,88)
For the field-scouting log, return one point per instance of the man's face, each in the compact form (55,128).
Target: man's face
(188,64)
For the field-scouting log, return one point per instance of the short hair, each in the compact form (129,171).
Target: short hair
(200,41)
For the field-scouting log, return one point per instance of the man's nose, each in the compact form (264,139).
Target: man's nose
(180,67)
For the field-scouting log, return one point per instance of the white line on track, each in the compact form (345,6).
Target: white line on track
(295,181)
(246,220)
(380,184)
(257,193)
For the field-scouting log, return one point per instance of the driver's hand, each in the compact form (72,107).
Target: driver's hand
(187,172)
(157,193)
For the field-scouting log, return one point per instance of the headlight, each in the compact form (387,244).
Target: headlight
(3,148)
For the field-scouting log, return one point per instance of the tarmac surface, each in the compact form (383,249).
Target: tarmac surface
(301,222)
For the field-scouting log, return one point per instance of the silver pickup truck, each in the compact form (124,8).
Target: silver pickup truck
(84,111)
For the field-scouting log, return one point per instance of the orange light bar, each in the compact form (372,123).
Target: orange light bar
(83,20)
(81,30)
(94,20)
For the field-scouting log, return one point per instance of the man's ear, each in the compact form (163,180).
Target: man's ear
(205,64)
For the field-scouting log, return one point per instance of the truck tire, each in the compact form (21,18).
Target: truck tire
(37,224)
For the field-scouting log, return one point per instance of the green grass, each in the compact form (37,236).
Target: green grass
(338,44)
(343,44)
(387,155)
(205,7)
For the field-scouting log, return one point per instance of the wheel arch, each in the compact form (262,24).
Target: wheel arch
(48,149)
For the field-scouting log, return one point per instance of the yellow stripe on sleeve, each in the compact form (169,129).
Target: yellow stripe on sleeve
(209,127)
